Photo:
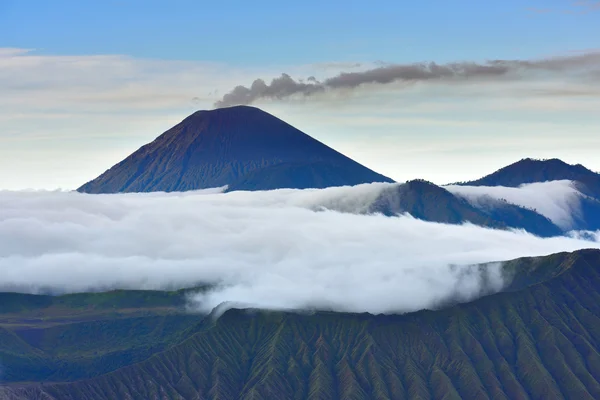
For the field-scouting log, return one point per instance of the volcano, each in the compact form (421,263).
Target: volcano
(242,147)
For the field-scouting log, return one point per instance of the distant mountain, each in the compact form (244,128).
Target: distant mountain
(586,211)
(427,201)
(539,339)
(529,170)
(248,149)
(243,147)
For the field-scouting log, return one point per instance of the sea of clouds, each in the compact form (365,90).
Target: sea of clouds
(283,249)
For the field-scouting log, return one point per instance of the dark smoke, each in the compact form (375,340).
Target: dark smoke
(285,86)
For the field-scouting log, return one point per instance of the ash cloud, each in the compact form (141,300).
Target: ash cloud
(285,86)
(283,249)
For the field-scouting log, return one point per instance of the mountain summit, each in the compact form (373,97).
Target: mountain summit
(529,170)
(243,147)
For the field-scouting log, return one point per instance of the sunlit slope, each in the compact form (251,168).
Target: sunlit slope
(538,340)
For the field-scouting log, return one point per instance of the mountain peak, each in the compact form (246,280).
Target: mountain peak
(530,170)
(241,146)
(548,163)
(232,111)
(423,184)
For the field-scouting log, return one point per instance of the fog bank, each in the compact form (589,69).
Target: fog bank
(266,249)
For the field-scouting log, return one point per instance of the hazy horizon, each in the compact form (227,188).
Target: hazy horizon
(436,91)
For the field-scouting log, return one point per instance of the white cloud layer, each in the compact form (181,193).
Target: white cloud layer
(265,249)
(558,201)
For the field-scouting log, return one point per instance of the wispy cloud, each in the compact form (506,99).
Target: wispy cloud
(586,6)
(107,83)
(99,83)
(571,7)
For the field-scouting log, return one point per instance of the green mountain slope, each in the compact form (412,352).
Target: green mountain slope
(538,340)
(63,338)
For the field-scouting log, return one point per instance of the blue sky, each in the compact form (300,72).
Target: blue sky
(83,84)
(275,32)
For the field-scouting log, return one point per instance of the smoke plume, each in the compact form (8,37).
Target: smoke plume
(584,65)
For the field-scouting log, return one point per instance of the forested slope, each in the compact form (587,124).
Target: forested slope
(539,340)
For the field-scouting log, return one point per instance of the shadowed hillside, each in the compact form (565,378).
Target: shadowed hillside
(243,147)
(538,340)
(429,202)
(586,215)
(69,337)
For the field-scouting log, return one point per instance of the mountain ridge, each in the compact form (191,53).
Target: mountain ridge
(529,170)
(538,341)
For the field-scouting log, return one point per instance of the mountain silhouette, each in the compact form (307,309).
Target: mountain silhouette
(529,170)
(429,202)
(243,147)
